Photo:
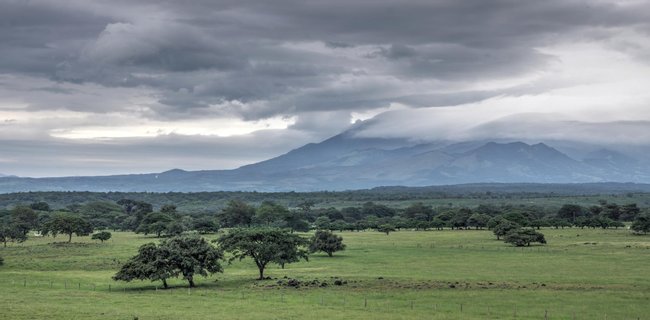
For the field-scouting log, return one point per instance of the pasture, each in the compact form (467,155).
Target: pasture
(466,274)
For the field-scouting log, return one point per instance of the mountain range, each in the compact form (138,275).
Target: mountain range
(347,161)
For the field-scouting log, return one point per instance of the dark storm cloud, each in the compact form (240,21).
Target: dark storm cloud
(73,64)
(205,52)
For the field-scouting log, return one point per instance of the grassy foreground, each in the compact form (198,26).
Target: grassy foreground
(581,274)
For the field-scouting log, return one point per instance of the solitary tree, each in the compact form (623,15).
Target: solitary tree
(101,236)
(24,218)
(193,256)
(66,224)
(327,242)
(264,246)
(152,262)
(524,237)
(186,256)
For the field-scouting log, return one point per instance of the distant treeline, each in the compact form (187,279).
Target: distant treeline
(205,202)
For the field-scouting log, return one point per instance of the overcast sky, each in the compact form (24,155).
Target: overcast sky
(104,87)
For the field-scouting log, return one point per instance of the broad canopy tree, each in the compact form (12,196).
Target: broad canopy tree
(187,256)
(524,237)
(264,246)
(327,242)
(67,224)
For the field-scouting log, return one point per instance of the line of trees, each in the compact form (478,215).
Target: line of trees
(191,256)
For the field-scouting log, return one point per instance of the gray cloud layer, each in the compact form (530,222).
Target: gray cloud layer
(311,60)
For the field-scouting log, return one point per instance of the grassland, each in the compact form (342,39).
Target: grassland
(581,274)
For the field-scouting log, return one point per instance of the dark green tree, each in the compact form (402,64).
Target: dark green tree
(478,221)
(236,214)
(151,263)
(386,228)
(186,256)
(523,237)
(192,255)
(205,225)
(570,212)
(101,236)
(504,227)
(67,224)
(11,233)
(24,218)
(40,206)
(264,246)
(327,242)
(641,224)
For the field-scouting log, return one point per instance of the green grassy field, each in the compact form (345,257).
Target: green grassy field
(581,274)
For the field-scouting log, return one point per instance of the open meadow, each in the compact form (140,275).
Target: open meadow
(460,274)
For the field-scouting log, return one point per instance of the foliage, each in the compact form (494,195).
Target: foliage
(523,237)
(152,262)
(24,218)
(67,224)
(264,246)
(186,256)
(236,214)
(641,224)
(205,225)
(386,228)
(327,242)
(504,227)
(11,233)
(192,256)
(101,236)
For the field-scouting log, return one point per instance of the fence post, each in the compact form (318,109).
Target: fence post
(109,288)
(545,314)
(365,302)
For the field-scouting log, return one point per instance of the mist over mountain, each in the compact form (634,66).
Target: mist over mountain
(351,161)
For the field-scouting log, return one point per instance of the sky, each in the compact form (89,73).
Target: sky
(108,87)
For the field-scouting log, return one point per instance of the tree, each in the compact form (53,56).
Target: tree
(155,222)
(418,211)
(2,261)
(322,223)
(478,221)
(236,214)
(269,212)
(629,212)
(11,232)
(641,224)
(524,237)
(40,206)
(67,224)
(327,242)
(152,262)
(192,255)
(24,218)
(101,236)
(186,256)
(504,227)
(570,212)
(264,246)
(137,210)
(386,228)
(205,225)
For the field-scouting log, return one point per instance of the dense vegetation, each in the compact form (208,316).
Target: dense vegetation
(162,242)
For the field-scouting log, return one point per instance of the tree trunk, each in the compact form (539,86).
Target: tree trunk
(329,253)
(165,283)
(69,237)
(191,281)
(261,272)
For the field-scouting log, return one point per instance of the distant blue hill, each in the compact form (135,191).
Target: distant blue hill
(346,162)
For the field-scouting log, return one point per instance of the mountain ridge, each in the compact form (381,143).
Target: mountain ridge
(346,162)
